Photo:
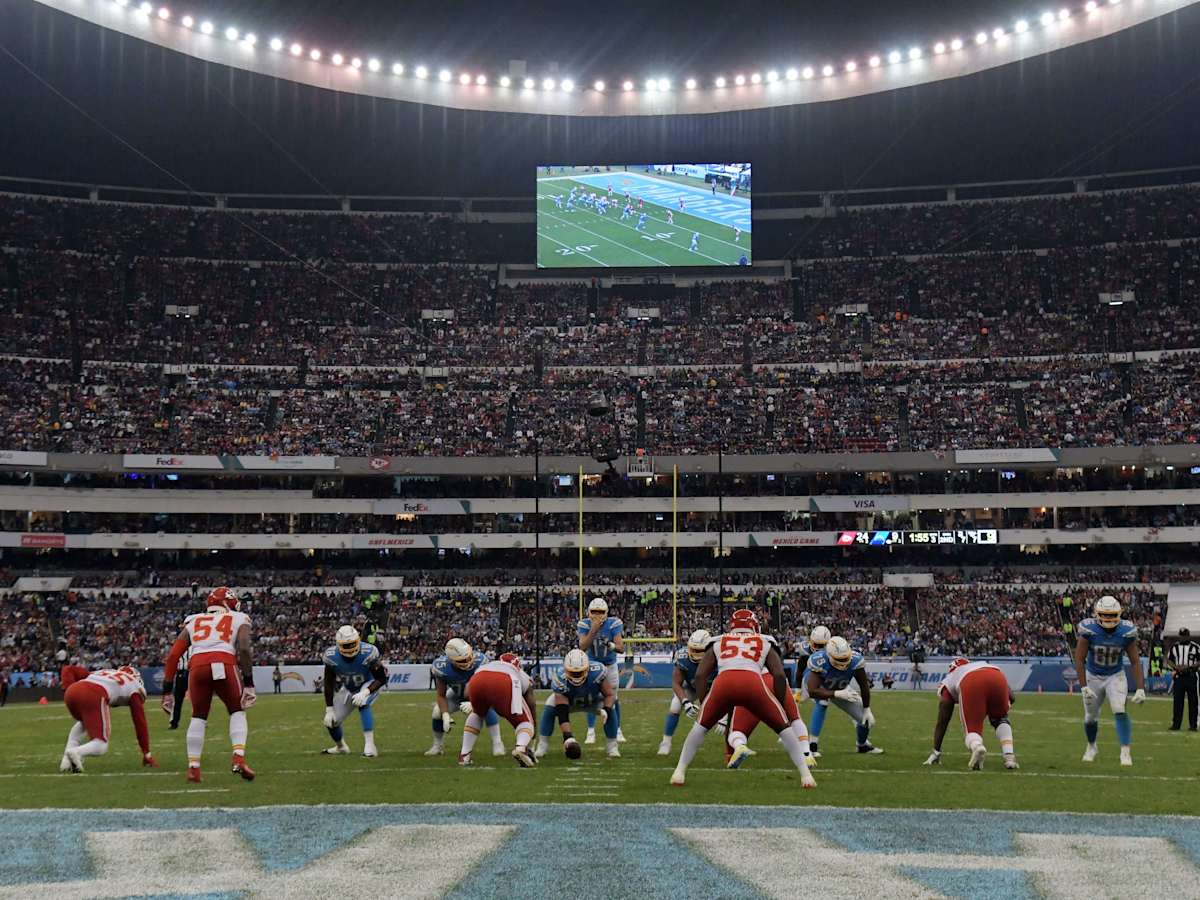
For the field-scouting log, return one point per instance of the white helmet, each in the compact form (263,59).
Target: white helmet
(839,652)
(1107,611)
(576,665)
(459,653)
(347,641)
(598,605)
(818,637)
(697,644)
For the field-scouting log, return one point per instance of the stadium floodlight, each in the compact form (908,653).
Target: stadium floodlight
(792,74)
(337,59)
(276,44)
(598,86)
(164,13)
(1021,26)
(481,80)
(1064,14)
(939,48)
(894,57)
(652,84)
(756,78)
(251,39)
(206,27)
(914,53)
(664,84)
(1047,19)
(356,63)
(529,84)
(827,70)
(998,34)
(956,44)
(690,84)
(444,76)
(720,82)
(851,66)
(464,78)
(627,85)
(772,76)
(549,84)
(739,80)
(295,49)
(505,81)
(807,72)
(567,85)
(145,9)
(373,65)
(314,54)
(421,72)
(231,33)
(981,38)
(187,21)
(1090,6)
(874,62)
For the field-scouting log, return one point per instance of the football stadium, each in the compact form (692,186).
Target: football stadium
(462,451)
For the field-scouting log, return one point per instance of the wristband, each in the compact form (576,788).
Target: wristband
(248,680)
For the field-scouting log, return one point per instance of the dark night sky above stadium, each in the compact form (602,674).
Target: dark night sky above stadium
(617,38)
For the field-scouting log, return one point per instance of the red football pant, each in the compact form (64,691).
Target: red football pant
(981,693)
(87,702)
(202,686)
(743,688)
(494,690)
(745,721)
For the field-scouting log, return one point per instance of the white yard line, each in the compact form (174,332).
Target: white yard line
(605,239)
(542,234)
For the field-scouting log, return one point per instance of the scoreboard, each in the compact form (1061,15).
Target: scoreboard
(958,537)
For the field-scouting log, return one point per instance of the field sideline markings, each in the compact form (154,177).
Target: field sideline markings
(572,249)
(608,239)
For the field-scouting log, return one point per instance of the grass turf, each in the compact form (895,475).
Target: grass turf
(286,736)
(583,238)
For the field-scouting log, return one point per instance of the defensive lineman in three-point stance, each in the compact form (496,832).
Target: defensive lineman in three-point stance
(980,691)
(356,668)
(1103,643)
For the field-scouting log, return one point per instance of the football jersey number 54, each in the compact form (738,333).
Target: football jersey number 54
(204,627)
(749,646)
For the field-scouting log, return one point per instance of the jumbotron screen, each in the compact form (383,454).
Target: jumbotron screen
(645,215)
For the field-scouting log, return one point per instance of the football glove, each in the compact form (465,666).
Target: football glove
(248,697)
(168,703)
(849,694)
(690,709)
(1139,696)
(447,723)
(603,714)
(360,699)
(465,708)
(719,728)
(1087,693)
(330,720)
(868,718)
(935,758)
(149,762)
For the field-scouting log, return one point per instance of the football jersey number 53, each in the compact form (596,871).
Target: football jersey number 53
(748,645)
(204,627)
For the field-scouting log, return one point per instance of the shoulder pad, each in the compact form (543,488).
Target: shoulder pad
(372,654)
(1088,625)
(330,655)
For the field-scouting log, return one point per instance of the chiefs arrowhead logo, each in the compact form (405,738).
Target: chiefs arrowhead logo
(378,463)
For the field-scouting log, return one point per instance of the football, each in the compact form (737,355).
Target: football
(572,749)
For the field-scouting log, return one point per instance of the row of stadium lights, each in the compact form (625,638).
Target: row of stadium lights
(652,85)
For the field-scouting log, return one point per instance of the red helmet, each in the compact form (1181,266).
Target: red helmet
(958,661)
(225,597)
(512,659)
(743,620)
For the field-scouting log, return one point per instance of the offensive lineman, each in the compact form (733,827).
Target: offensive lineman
(601,636)
(356,668)
(739,658)
(1103,641)
(578,683)
(683,684)
(978,689)
(88,700)
(828,677)
(220,664)
(451,671)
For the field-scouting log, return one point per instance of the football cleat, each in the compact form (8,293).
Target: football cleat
(740,755)
(76,761)
(524,758)
(664,747)
(239,767)
(498,749)
(1010,761)
(542,748)
(193,774)
(1126,757)
(1089,755)
(678,777)
(336,750)
(464,759)
(867,748)
(436,750)
(978,755)
(590,737)
(65,765)
(369,751)
(612,751)
(620,736)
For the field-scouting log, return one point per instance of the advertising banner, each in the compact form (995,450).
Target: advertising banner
(284,463)
(43,540)
(170,461)
(422,507)
(23,458)
(1001,455)
(392,542)
(858,504)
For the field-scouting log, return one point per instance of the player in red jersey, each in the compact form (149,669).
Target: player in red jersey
(88,701)
(744,721)
(220,664)
(739,658)
(68,675)
(979,689)
(504,686)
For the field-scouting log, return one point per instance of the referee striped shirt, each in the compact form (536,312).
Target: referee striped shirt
(1185,654)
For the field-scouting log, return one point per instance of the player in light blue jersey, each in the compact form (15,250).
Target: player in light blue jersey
(838,674)
(695,248)
(450,672)
(627,212)
(641,222)
(818,638)
(355,670)
(1104,642)
(601,637)
(578,683)
(558,201)
(683,684)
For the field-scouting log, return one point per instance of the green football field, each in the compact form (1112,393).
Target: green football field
(582,238)
(286,736)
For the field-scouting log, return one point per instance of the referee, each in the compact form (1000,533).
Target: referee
(1185,660)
